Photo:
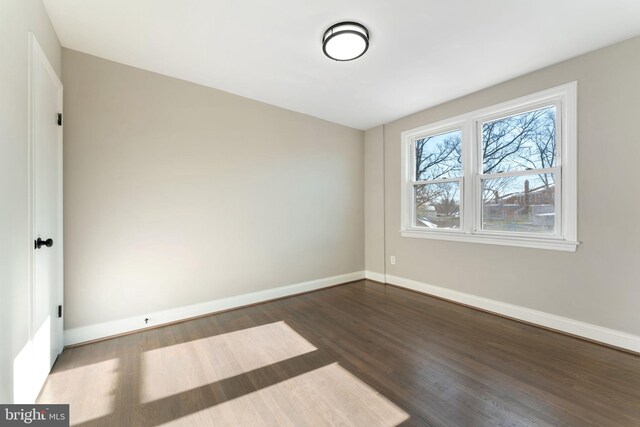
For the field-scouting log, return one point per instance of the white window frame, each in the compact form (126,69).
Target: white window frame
(564,98)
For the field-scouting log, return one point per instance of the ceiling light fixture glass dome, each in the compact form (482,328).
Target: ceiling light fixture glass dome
(345,41)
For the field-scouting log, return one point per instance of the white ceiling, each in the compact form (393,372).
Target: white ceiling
(422,52)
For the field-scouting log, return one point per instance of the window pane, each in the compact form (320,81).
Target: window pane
(438,205)
(439,156)
(520,142)
(524,204)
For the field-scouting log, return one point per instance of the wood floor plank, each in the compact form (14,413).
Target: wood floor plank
(358,354)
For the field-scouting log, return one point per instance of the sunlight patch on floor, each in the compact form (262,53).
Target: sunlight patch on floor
(196,363)
(327,396)
(90,389)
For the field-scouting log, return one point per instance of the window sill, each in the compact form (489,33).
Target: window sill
(524,242)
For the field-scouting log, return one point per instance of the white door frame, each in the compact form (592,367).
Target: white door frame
(37,54)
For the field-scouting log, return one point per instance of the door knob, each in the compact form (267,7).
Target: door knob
(40,243)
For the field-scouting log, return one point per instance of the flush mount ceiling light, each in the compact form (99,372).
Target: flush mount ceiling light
(345,41)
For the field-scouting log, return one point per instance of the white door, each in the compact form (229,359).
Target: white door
(46,178)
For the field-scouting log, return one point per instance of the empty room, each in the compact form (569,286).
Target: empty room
(319,213)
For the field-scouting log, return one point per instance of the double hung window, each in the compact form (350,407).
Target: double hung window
(501,175)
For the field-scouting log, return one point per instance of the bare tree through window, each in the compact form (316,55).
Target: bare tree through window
(517,143)
(521,142)
(438,157)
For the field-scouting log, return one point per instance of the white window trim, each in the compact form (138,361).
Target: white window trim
(565,99)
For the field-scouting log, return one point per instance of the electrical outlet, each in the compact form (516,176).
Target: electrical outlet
(393,260)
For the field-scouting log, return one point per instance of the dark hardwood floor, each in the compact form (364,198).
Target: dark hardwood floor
(357,354)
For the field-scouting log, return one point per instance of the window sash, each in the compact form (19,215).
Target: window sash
(414,218)
(541,171)
(556,172)
(487,118)
(454,127)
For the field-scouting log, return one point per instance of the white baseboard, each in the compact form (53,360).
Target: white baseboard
(115,327)
(563,324)
(377,277)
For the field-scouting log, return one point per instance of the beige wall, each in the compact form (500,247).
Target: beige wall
(17,18)
(599,283)
(177,194)
(374,199)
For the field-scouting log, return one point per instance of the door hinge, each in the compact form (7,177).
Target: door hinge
(60,311)
(59,119)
